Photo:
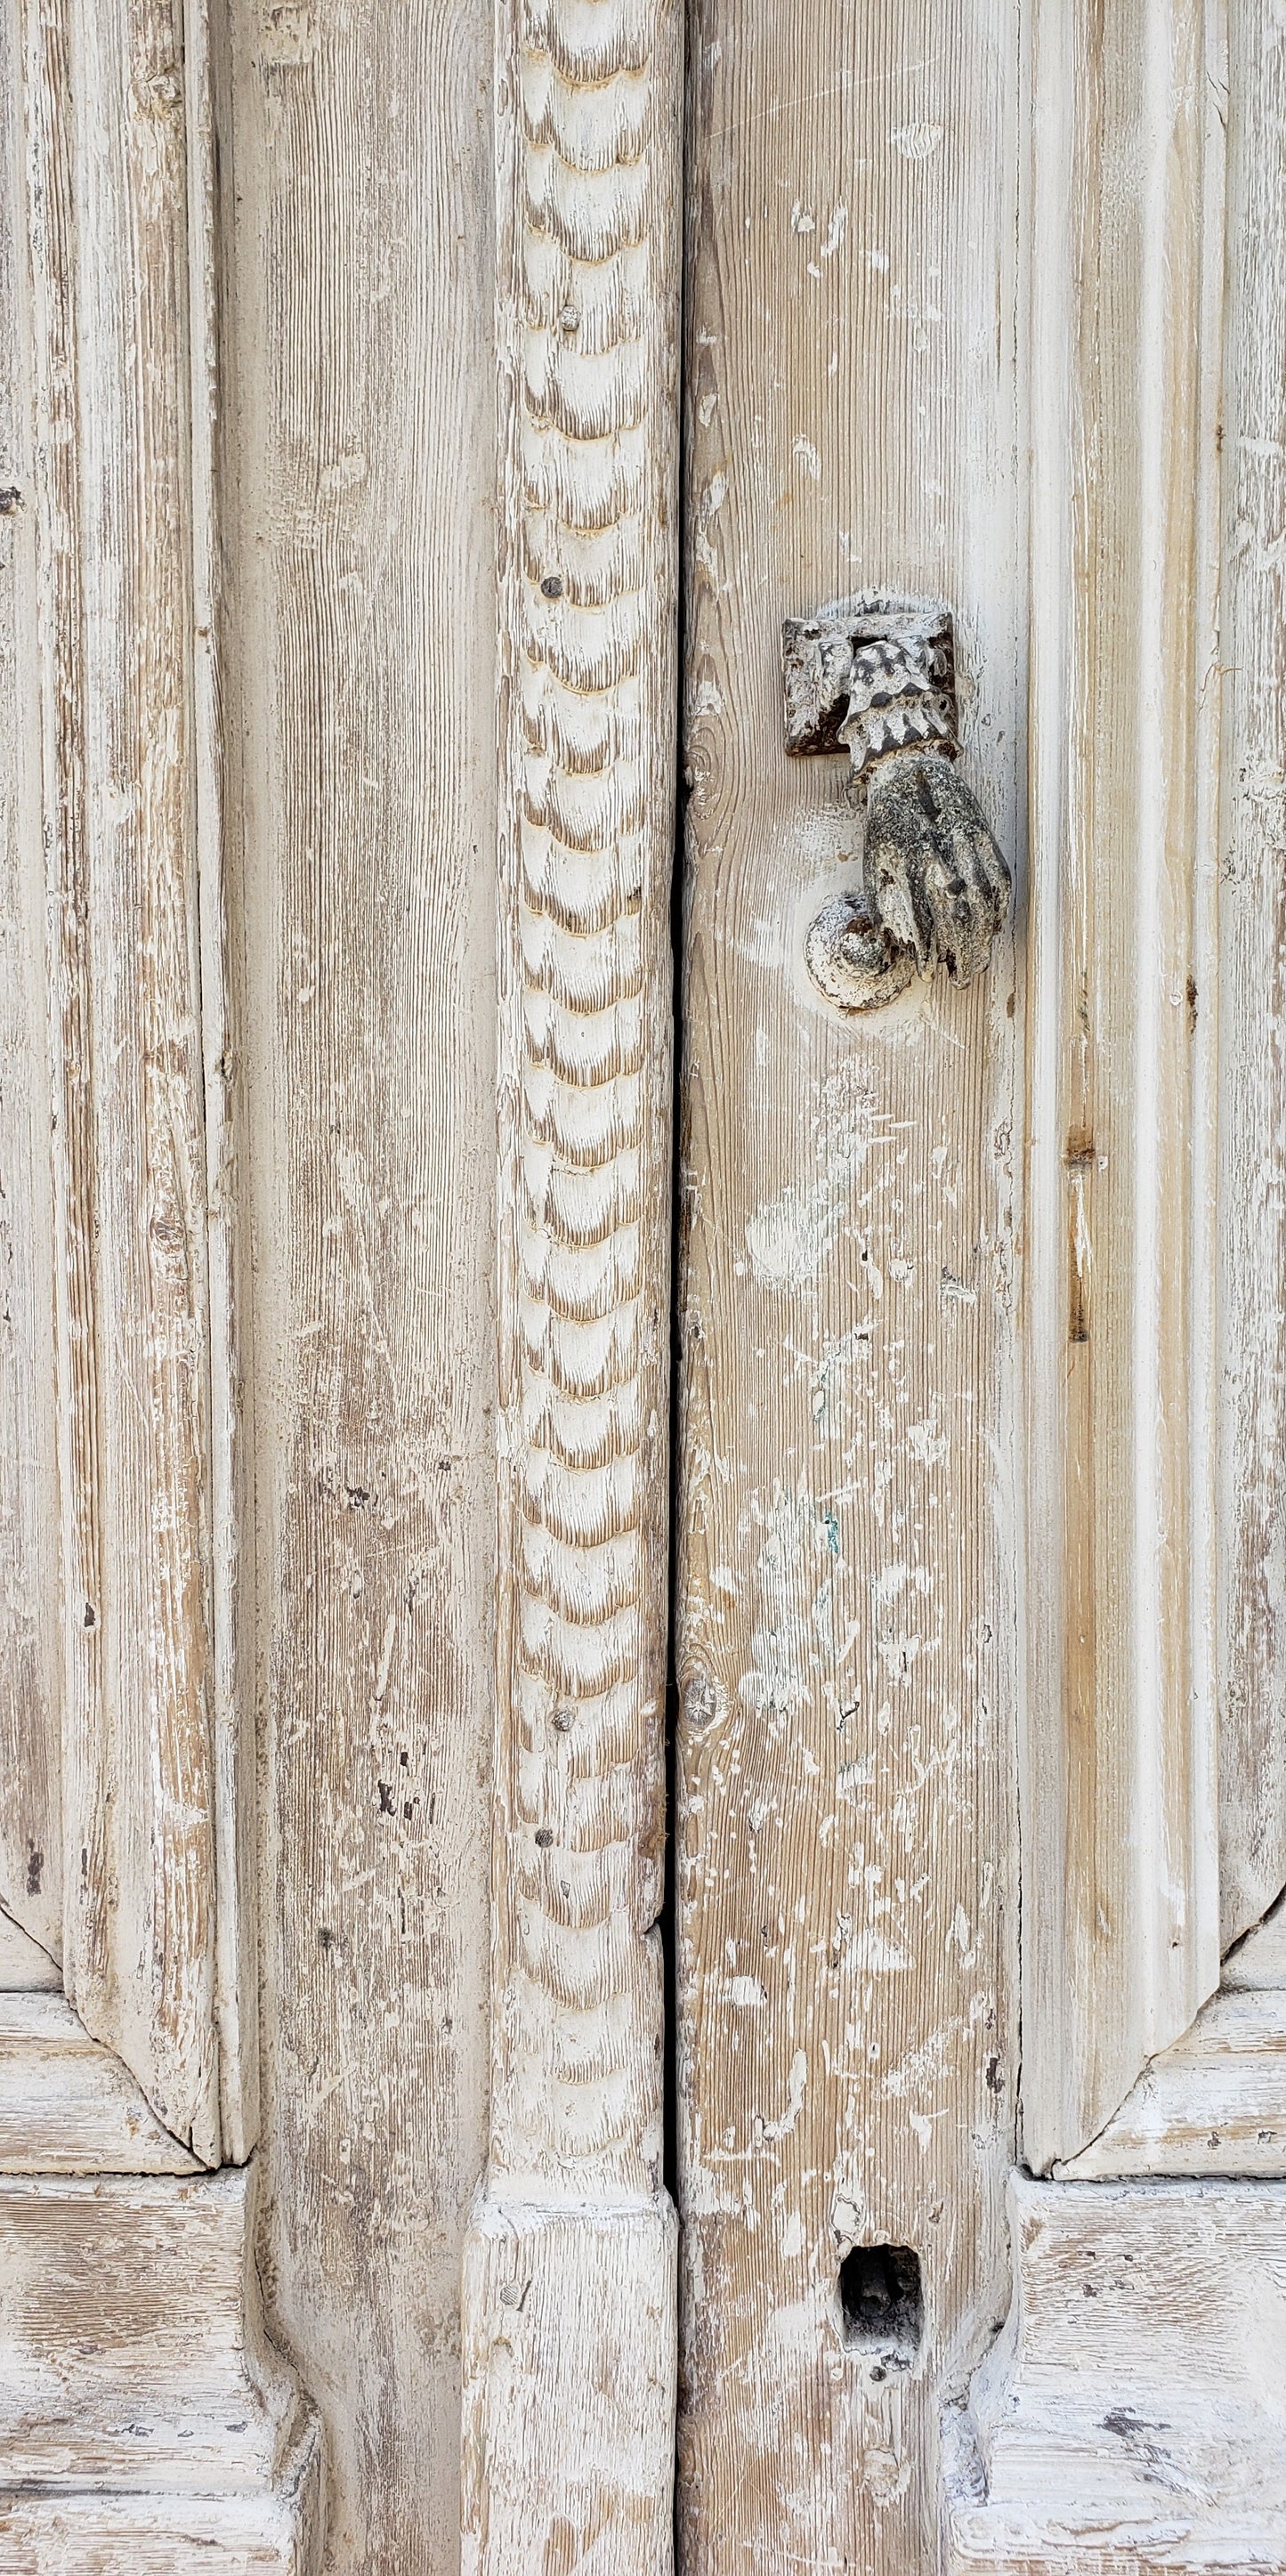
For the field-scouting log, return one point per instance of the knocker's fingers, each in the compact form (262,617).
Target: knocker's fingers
(934,872)
(899,828)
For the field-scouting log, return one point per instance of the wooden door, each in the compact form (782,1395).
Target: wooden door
(980,1478)
(377,2196)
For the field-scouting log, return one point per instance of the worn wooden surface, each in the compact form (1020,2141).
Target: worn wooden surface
(25,1969)
(1260,1960)
(1132,2416)
(124,739)
(588,126)
(67,2105)
(847,1646)
(567,2438)
(359,678)
(146,2424)
(30,1764)
(1120,1941)
(1252,987)
(1213,2103)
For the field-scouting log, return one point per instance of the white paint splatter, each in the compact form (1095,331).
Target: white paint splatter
(796,2087)
(835,231)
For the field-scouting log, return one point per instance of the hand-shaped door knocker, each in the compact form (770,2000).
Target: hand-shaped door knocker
(875,675)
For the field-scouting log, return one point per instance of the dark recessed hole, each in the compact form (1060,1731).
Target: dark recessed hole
(881,2301)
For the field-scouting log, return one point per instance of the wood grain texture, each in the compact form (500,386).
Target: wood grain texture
(67,2105)
(847,1647)
(1131,2419)
(568,2431)
(126,749)
(359,682)
(146,2422)
(30,1766)
(1214,2103)
(1120,1942)
(587,319)
(588,126)
(25,1969)
(1260,1960)
(1252,988)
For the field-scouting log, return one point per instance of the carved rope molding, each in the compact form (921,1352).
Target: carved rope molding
(586,581)
(569,2265)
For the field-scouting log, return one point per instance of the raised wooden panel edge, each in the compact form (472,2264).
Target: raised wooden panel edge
(1120,1931)
(67,2105)
(1214,2103)
(25,1968)
(118,201)
(1251,1526)
(588,128)
(146,2422)
(30,1786)
(1131,2416)
(1259,1959)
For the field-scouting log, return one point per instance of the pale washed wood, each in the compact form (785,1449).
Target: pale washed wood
(1214,2103)
(125,748)
(588,122)
(358,671)
(30,1806)
(1252,987)
(146,2422)
(212,465)
(67,2105)
(25,1968)
(1132,2417)
(1259,1960)
(568,2372)
(1119,1867)
(848,1640)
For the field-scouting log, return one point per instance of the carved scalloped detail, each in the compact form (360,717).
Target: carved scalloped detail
(587,353)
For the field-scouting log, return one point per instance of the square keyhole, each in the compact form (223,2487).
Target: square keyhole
(882,2302)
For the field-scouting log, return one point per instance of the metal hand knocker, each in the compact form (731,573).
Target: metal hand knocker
(875,675)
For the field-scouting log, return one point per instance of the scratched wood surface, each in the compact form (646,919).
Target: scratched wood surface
(1252,989)
(116,256)
(1131,2415)
(359,265)
(847,1647)
(1120,1923)
(30,1766)
(147,2427)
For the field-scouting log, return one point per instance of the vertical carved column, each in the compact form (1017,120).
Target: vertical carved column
(569,2291)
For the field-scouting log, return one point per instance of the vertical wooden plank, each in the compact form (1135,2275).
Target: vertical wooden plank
(30,1765)
(569,2270)
(355,144)
(111,247)
(1120,1915)
(1252,989)
(848,1645)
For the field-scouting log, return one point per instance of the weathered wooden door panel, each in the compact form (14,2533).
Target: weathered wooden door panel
(959,297)
(339,562)
(847,1610)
